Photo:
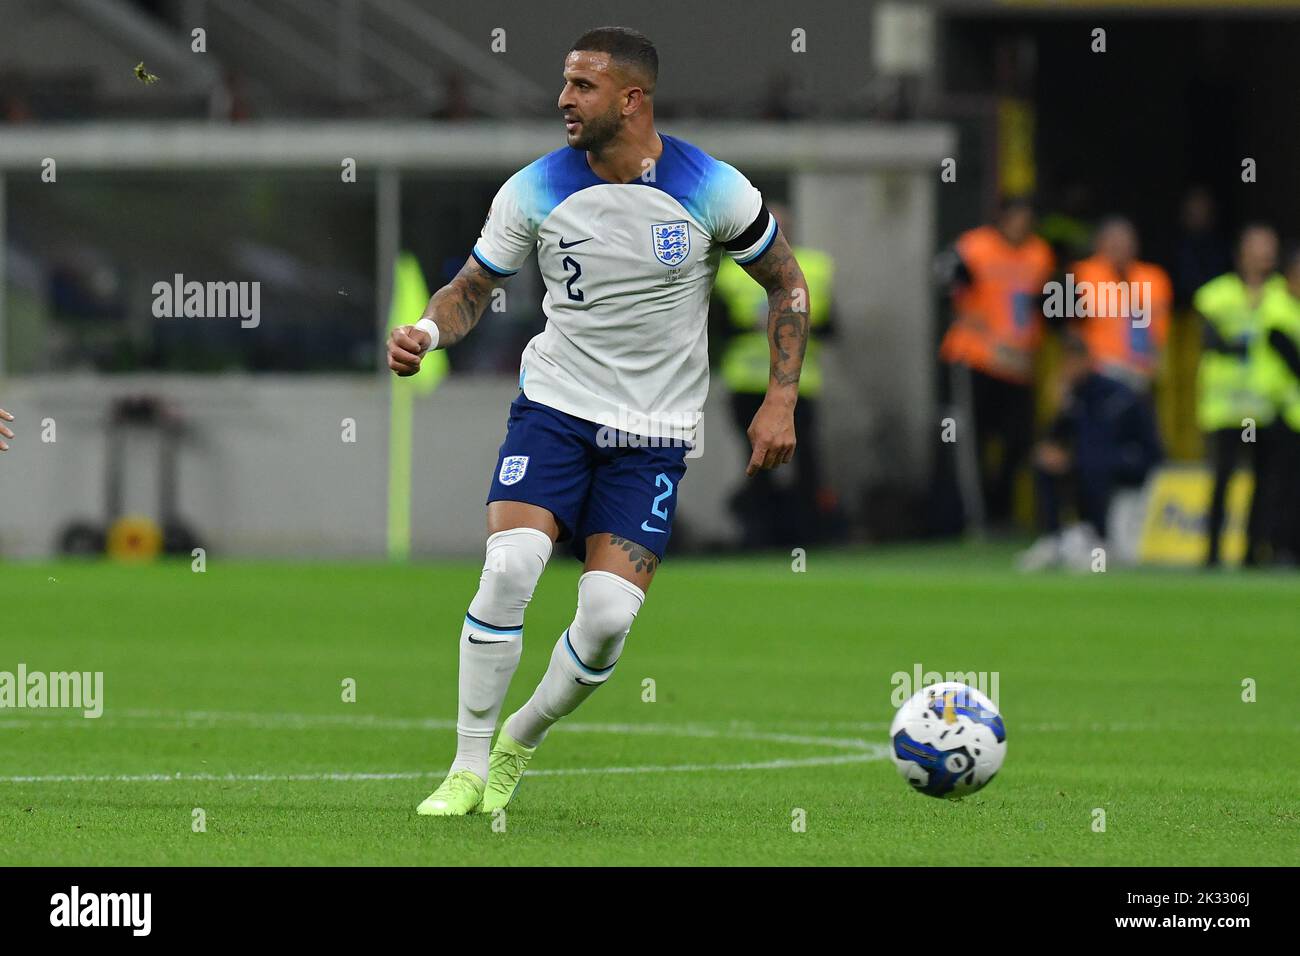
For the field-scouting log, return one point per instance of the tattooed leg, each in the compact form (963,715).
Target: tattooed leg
(642,558)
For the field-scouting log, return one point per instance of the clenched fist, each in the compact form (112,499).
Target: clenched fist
(406,346)
(771,434)
(5,432)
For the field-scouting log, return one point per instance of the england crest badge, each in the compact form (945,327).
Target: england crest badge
(512,469)
(672,241)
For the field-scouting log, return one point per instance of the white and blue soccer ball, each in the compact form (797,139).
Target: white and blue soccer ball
(948,740)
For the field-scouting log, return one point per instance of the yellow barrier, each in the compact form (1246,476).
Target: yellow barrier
(1174,532)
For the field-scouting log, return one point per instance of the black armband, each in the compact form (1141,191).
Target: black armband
(752,233)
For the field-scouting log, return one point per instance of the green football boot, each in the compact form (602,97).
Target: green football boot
(506,766)
(456,796)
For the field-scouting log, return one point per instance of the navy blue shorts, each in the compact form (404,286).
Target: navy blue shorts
(590,482)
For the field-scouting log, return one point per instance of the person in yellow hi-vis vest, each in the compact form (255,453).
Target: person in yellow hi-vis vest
(1231,408)
(409,297)
(1278,374)
(745,365)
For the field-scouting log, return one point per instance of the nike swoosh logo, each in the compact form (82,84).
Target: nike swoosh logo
(472,641)
(646,527)
(587,683)
(576,242)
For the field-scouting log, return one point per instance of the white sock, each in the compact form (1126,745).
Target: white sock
(584,656)
(492,639)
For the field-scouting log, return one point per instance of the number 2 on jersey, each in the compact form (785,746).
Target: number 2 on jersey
(574,294)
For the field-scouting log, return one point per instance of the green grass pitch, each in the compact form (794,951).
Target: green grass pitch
(1121,691)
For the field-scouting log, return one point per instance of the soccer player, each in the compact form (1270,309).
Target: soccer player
(629,226)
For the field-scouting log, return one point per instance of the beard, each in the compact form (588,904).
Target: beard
(596,133)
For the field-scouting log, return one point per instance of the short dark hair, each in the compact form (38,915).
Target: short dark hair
(1254,226)
(1111,220)
(629,47)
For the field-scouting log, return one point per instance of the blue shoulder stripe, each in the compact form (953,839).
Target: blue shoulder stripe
(487,264)
(684,171)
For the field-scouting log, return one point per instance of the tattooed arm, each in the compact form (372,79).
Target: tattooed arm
(772,431)
(454,309)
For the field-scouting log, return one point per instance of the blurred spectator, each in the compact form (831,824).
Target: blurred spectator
(229,101)
(808,516)
(1102,439)
(778,99)
(14,108)
(996,275)
(1069,229)
(1130,301)
(1279,368)
(1202,253)
(455,99)
(1231,407)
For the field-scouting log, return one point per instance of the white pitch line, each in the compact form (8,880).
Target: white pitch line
(735,729)
(187,720)
(879,753)
(862,750)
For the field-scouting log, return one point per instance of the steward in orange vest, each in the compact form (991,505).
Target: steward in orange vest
(1122,306)
(997,322)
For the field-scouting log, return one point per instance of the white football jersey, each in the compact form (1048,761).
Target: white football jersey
(628,269)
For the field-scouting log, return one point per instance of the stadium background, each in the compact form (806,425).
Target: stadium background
(228,169)
(1148,712)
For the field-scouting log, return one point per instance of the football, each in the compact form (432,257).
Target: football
(948,740)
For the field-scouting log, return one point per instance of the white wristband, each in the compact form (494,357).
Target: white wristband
(429,326)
